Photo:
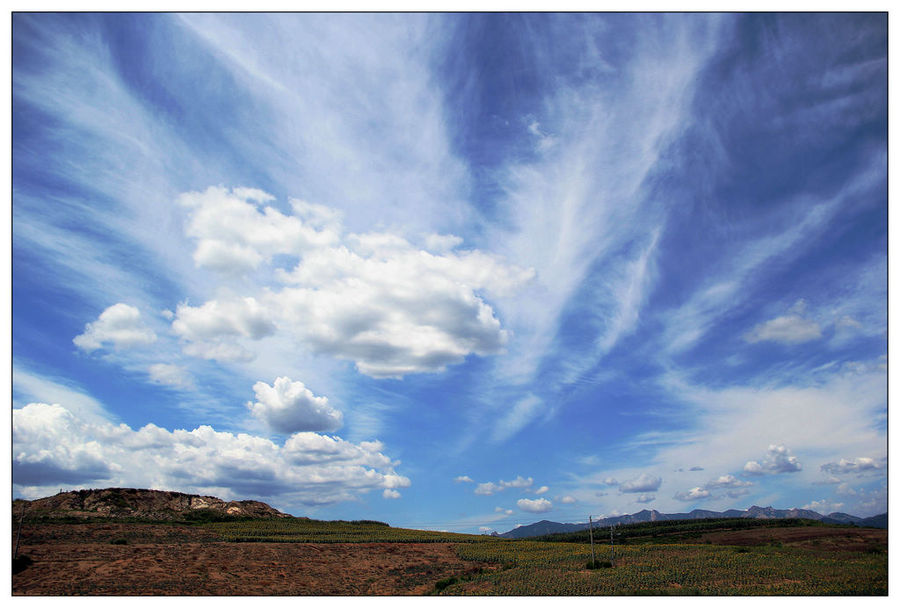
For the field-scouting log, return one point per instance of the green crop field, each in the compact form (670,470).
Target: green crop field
(548,568)
(315,531)
(654,566)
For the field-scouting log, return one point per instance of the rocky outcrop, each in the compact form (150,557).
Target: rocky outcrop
(118,503)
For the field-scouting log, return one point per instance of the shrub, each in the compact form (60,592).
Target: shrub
(595,564)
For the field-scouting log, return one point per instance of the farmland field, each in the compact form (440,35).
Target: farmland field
(307,557)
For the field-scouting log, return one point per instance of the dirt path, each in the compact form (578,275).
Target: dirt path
(216,568)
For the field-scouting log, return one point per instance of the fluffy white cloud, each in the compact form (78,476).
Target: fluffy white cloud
(823,506)
(726,481)
(692,494)
(390,494)
(52,446)
(488,488)
(235,234)
(851,465)
(542,490)
(463,479)
(789,329)
(211,330)
(568,500)
(119,325)
(169,374)
(642,483)
(372,298)
(778,460)
(537,505)
(289,407)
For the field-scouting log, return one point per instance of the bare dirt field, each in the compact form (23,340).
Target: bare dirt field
(812,538)
(185,560)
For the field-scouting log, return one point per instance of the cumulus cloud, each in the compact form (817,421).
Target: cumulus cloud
(489,488)
(568,500)
(169,374)
(210,331)
(692,494)
(235,233)
(726,481)
(542,490)
(373,298)
(641,484)
(851,465)
(52,446)
(790,329)
(537,505)
(645,498)
(288,407)
(390,494)
(502,510)
(778,460)
(463,479)
(119,325)
(823,506)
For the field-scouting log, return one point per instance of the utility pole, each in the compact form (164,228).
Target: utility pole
(19,532)
(591,528)
(612,551)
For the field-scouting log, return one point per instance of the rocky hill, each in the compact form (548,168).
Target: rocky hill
(121,503)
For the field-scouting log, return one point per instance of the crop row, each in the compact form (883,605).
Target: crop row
(313,531)
(560,569)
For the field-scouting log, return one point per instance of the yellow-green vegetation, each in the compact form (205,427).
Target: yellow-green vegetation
(313,531)
(530,567)
(545,568)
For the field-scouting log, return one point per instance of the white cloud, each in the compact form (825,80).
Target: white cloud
(645,498)
(390,494)
(53,447)
(502,510)
(692,494)
(463,479)
(235,236)
(288,407)
(791,329)
(568,500)
(640,484)
(489,488)
(851,465)
(169,374)
(537,505)
(778,460)
(119,325)
(823,506)
(372,298)
(542,490)
(230,317)
(726,481)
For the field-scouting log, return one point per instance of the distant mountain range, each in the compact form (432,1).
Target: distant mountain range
(551,527)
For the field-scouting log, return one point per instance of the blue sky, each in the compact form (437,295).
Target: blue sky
(457,272)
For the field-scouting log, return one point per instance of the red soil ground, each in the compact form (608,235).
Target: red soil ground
(175,560)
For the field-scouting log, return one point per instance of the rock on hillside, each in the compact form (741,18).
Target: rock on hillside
(143,504)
